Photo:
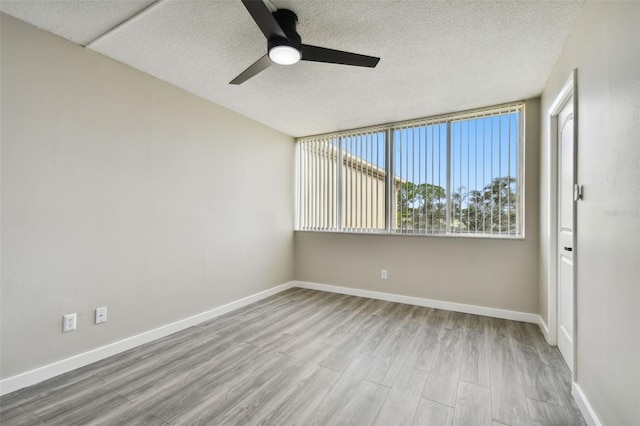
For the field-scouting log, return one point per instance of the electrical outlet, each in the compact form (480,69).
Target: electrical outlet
(383,274)
(101,315)
(69,322)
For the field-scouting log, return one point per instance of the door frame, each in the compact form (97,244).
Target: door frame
(569,90)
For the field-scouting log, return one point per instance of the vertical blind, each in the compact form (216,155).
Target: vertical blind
(341,182)
(459,174)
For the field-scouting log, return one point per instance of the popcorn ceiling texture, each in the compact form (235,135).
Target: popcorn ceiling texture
(78,21)
(436,57)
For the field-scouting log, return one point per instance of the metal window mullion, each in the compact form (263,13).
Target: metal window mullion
(347,182)
(491,180)
(402,137)
(475,169)
(509,177)
(334,185)
(500,175)
(388,181)
(297,190)
(362,179)
(448,169)
(369,181)
(423,166)
(484,172)
(310,183)
(405,143)
(321,184)
(468,177)
(519,169)
(377,146)
(353,179)
(411,136)
(440,180)
(310,186)
(306,189)
(318,208)
(366,181)
(339,189)
(300,202)
(433,181)
(327,185)
(460,181)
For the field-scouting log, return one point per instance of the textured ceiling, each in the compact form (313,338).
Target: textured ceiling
(436,57)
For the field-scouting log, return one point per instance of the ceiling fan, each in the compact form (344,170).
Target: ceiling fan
(285,47)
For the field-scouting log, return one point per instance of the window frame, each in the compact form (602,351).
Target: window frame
(389,129)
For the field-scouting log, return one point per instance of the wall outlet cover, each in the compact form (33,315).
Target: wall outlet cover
(101,315)
(69,322)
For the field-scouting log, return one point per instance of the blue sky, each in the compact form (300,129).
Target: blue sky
(488,145)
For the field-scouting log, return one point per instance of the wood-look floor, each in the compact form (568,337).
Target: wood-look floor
(312,358)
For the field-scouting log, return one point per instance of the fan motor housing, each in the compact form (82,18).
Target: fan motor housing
(287,21)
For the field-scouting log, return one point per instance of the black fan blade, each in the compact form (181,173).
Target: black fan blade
(257,67)
(263,17)
(322,54)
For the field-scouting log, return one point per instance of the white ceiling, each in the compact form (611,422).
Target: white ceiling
(436,57)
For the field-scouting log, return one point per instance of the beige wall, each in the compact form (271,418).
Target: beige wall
(605,48)
(496,273)
(119,190)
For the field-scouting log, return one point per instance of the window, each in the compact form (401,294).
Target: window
(459,174)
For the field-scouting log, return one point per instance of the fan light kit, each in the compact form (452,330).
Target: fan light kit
(285,47)
(284,55)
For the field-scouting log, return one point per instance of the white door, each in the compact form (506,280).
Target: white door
(566,183)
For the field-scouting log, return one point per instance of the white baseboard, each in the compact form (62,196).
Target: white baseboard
(40,374)
(429,303)
(544,328)
(585,407)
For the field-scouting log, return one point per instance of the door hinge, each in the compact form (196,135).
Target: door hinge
(577,192)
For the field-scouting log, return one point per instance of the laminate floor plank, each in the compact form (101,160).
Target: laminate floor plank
(50,391)
(19,417)
(509,404)
(270,306)
(442,383)
(363,407)
(473,405)
(474,365)
(305,357)
(151,353)
(330,312)
(343,391)
(303,399)
(404,397)
(351,328)
(263,398)
(83,408)
(362,342)
(545,414)
(539,380)
(269,333)
(392,351)
(236,393)
(172,359)
(197,407)
(423,348)
(158,384)
(432,413)
(314,331)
